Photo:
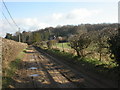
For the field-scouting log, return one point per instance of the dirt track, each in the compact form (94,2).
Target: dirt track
(39,71)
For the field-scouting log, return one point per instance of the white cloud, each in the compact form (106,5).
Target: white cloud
(57,16)
(28,24)
(31,23)
(75,16)
(81,13)
(27,21)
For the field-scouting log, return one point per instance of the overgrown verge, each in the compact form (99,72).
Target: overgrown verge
(9,72)
(106,70)
(12,53)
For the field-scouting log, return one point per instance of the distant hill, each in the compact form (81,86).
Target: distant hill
(61,31)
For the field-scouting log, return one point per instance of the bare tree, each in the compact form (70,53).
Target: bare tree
(79,43)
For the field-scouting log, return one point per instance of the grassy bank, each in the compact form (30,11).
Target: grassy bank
(9,72)
(96,66)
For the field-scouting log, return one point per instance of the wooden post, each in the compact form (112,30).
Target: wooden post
(63,47)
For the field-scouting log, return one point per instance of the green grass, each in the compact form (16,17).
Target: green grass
(89,58)
(10,71)
(88,63)
(14,65)
(20,56)
(6,81)
(61,54)
(65,45)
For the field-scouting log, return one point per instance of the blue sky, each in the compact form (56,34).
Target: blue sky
(31,16)
(36,9)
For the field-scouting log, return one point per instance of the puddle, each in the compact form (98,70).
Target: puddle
(33,68)
(34,75)
(35,56)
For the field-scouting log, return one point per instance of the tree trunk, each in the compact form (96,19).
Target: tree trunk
(100,56)
(78,53)
(81,53)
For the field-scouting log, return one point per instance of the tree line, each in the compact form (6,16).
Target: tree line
(49,32)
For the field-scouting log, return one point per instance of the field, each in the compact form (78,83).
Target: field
(65,45)
(91,54)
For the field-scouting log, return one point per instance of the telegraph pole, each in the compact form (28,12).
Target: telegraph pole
(19,34)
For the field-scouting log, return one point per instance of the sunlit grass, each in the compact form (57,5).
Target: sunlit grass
(65,45)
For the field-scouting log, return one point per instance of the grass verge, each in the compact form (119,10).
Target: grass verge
(9,73)
(96,66)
